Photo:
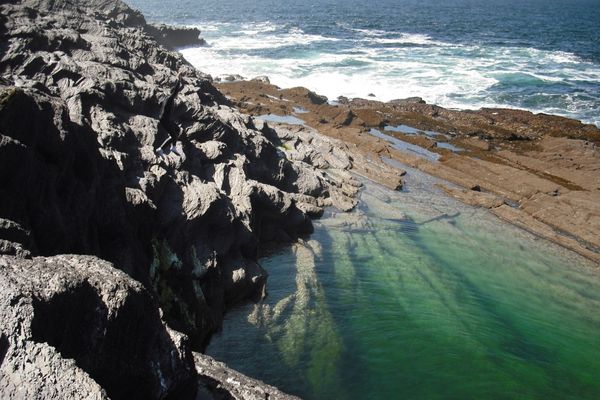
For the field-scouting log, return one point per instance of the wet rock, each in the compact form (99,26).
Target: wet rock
(408,100)
(316,98)
(474,197)
(262,78)
(231,78)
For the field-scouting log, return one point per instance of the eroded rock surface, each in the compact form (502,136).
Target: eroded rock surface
(81,88)
(81,94)
(75,327)
(221,382)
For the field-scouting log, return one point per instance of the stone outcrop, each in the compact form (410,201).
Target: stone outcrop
(223,382)
(75,327)
(81,88)
(175,37)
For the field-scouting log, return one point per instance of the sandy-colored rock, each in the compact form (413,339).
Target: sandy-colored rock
(545,163)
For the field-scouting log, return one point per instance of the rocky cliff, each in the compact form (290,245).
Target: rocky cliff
(81,88)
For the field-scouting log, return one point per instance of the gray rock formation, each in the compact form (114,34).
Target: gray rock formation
(225,383)
(81,88)
(173,37)
(74,327)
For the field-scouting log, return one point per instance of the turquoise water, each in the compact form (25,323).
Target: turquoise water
(540,55)
(417,296)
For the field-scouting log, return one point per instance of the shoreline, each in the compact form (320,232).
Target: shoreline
(144,253)
(536,171)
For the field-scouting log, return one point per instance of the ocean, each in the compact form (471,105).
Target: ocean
(542,56)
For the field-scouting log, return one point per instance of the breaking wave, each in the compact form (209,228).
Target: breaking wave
(354,62)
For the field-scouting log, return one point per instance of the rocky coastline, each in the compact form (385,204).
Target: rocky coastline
(117,263)
(540,172)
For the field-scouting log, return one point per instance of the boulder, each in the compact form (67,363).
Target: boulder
(175,37)
(76,327)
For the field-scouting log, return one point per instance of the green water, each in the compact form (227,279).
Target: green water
(417,296)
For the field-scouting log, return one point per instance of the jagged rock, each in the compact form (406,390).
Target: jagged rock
(75,327)
(223,382)
(316,98)
(262,78)
(174,37)
(105,192)
(80,96)
(231,78)
(408,100)
(212,149)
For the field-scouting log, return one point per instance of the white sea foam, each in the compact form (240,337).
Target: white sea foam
(451,75)
(245,41)
(370,32)
(408,38)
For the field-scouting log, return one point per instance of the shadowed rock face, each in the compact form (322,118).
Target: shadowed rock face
(81,96)
(174,37)
(81,91)
(74,326)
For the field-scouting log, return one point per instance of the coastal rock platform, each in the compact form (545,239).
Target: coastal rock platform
(538,171)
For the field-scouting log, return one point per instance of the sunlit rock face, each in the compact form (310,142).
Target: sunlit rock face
(81,92)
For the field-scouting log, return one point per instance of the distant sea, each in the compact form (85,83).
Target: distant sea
(539,55)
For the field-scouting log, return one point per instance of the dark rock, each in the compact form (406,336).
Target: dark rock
(231,78)
(80,97)
(175,37)
(316,98)
(224,383)
(75,327)
(408,100)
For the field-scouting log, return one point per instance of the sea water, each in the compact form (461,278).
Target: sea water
(417,296)
(540,55)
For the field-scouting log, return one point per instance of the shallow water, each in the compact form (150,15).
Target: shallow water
(405,146)
(281,119)
(417,296)
(449,146)
(409,130)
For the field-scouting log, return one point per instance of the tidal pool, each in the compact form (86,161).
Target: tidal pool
(281,119)
(405,146)
(417,296)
